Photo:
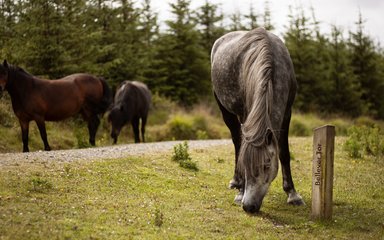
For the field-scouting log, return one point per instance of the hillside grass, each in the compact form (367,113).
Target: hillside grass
(151,197)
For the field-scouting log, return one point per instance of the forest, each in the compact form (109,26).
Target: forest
(338,73)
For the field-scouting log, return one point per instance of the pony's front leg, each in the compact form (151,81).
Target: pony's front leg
(24,125)
(234,127)
(43,134)
(294,198)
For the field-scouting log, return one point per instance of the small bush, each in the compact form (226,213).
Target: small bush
(365,141)
(181,155)
(181,128)
(7,117)
(298,128)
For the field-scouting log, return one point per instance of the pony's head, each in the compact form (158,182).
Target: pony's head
(258,162)
(115,117)
(3,76)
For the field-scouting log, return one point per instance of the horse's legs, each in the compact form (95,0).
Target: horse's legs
(234,126)
(24,125)
(143,123)
(285,159)
(135,127)
(93,124)
(43,134)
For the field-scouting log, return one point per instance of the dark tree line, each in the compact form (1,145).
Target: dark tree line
(120,40)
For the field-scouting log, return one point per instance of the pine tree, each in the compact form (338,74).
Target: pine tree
(236,19)
(252,18)
(300,43)
(209,21)
(43,33)
(267,18)
(182,64)
(365,67)
(8,30)
(345,93)
(149,33)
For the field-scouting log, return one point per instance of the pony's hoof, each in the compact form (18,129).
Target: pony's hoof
(234,184)
(239,198)
(295,199)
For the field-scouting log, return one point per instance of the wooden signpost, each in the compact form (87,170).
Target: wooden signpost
(322,172)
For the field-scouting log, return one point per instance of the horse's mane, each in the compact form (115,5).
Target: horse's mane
(256,73)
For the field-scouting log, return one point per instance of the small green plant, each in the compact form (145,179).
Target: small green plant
(159,218)
(181,155)
(40,185)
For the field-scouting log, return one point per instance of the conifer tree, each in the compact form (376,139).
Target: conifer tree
(345,92)
(210,25)
(182,64)
(366,68)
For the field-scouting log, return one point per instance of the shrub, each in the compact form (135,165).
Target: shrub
(181,155)
(7,117)
(297,128)
(181,128)
(365,141)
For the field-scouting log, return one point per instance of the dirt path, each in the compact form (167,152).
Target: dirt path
(109,152)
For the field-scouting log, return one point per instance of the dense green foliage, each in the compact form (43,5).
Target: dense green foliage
(123,39)
(365,141)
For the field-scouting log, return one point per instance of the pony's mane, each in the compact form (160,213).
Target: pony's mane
(256,74)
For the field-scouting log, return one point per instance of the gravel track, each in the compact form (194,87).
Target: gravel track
(108,152)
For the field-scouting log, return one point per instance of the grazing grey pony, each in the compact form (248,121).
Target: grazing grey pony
(131,103)
(254,85)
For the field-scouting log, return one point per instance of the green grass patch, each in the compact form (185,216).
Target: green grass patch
(150,197)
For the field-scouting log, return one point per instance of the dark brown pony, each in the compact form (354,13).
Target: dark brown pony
(41,100)
(132,102)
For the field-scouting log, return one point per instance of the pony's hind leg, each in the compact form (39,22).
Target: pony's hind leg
(43,134)
(294,198)
(24,125)
(234,126)
(93,124)
(143,123)
(135,126)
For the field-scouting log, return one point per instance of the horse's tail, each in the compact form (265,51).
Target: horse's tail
(257,75)
(106,99)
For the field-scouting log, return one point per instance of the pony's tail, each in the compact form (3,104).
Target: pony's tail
(257,77)
(106,100)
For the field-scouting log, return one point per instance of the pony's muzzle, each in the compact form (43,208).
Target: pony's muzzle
(252,208)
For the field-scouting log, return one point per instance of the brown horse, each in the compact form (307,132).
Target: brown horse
(40,100)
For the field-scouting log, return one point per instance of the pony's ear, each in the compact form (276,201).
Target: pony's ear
(269,137)
(5,64)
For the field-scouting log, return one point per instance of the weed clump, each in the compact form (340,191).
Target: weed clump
(181,155)
(159,218)
(39,185)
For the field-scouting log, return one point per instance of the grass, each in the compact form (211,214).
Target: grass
(152,197)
